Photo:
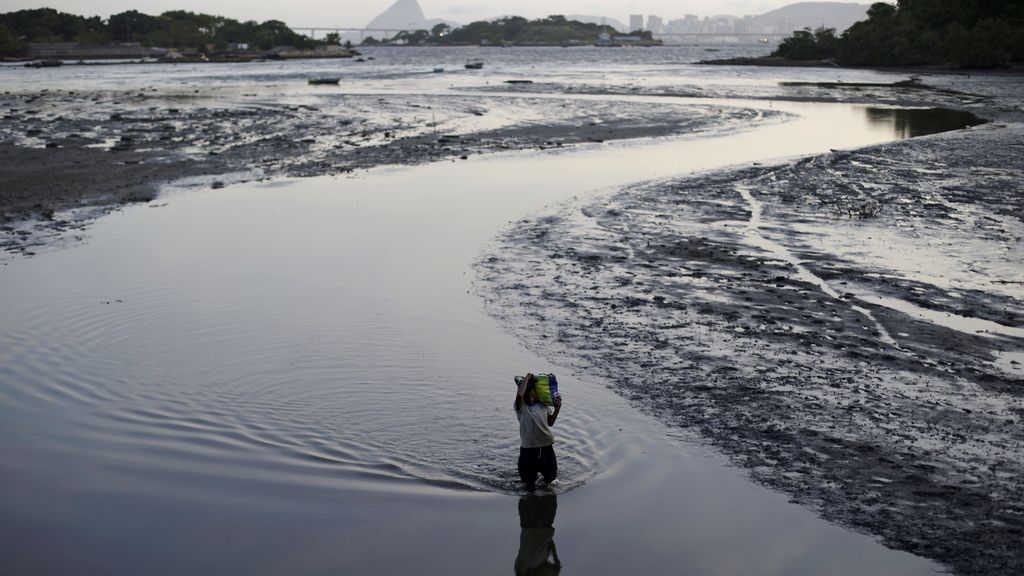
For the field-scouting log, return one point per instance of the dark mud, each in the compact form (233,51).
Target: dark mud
(66,155)
(746,307)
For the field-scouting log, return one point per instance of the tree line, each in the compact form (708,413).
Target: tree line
(512,30)
(954,33)
(175,29)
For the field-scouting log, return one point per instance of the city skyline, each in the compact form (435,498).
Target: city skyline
(330,13)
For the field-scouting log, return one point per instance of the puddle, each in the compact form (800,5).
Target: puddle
(914,122)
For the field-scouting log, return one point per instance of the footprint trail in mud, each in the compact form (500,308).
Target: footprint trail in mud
(803,273)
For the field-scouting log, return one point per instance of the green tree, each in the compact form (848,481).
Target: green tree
(9,43)
(439,31)
(517,30)
(49,25)
(132,26)
(804,44)
(411,38)
(966,33)
(173,29)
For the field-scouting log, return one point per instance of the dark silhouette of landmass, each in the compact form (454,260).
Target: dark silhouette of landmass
(176,29)
(512,31)
(950,33)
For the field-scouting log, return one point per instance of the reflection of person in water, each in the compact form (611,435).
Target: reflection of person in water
(536,452)
(537,554)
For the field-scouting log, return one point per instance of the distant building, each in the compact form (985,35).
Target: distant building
(688,24)
(776,23)
(745,26)
(636,22)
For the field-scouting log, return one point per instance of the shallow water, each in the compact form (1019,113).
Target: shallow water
(914,122)
(306,318)
(411,70)
(298,376)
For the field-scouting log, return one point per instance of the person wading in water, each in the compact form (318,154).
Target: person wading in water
(536,453)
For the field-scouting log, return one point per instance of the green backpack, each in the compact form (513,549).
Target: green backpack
(546,387)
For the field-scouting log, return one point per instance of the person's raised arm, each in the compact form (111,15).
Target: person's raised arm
(522,390)
(558,408)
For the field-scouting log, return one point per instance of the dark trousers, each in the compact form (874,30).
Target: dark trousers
(533,461)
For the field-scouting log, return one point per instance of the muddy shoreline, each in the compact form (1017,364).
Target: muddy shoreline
(849,328)
(70,155)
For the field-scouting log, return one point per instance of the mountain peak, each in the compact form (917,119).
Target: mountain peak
(402,15)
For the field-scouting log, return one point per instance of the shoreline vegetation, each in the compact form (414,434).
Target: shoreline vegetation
(940,34)
(48,35)
(510,31)
(933,33)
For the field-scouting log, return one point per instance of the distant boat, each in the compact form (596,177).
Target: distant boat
(474,64)
(318,81)
(45,64)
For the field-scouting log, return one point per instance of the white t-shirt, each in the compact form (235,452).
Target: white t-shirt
(533,425)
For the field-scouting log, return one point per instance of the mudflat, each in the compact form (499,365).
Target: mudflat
(846,327)
(71,154)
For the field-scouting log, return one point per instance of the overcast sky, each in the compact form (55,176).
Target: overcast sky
(357,13)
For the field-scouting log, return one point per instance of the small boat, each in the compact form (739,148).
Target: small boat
(44,64)
(322,80)
(474,64)
(438,70)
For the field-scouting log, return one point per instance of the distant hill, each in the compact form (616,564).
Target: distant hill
(814,15)
(404,15)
